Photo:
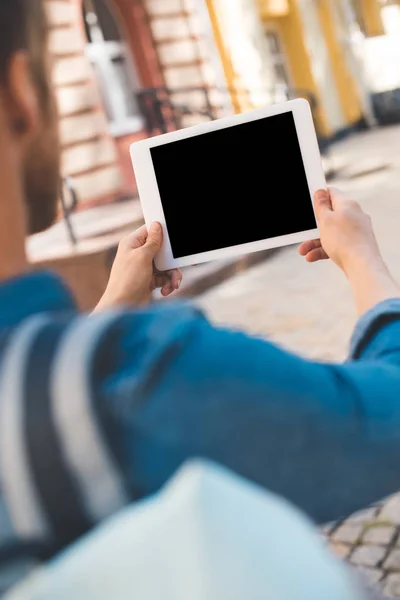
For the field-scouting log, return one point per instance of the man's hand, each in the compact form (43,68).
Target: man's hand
(347,237)
(346,232)
(133,276)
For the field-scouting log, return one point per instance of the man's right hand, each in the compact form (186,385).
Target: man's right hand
(347,237)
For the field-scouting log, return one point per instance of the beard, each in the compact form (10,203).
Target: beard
(42,180)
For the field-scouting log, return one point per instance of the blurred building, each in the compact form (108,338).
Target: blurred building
(106,53)
(380,24)
(126,69)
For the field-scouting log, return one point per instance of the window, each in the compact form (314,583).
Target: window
(278,59)
(115,74)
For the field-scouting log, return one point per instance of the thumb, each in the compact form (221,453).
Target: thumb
(322,204)
(337,198)
(154,239)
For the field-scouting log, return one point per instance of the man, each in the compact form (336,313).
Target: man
(98,411)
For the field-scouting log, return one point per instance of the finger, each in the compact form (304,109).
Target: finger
(309,245)
(176,278)
(322,203)
(154,240)
(316,255)
(160,280)
(167,289)
(172,278)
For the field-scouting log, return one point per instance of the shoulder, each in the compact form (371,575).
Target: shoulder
(72,343)
(135,337)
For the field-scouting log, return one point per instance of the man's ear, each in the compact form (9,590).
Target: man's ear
(21,100)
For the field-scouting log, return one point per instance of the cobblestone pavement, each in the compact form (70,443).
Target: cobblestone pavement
(308,308)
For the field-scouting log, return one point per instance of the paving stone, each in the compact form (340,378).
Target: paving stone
(363,516)
(391,511)
(392,563)
(379,534)
(368,556)
(371,575)
(340,550)
(392,586)
(348,532)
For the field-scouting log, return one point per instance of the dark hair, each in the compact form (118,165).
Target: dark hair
(23,26)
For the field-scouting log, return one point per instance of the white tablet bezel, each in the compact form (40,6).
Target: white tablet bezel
(150,195)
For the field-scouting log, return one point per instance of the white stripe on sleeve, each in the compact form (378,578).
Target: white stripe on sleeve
(86,453)
(17,483)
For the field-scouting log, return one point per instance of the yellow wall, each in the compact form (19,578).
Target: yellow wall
(224,53)
(369,12)
(345,84)
(291,30)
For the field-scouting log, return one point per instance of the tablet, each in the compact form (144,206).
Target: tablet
(230,187)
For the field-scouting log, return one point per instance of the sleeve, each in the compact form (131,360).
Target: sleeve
(326,437)
(374,337)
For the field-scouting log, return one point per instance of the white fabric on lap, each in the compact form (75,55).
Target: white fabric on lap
(208,535)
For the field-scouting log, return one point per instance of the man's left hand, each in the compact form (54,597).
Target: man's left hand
(133,276)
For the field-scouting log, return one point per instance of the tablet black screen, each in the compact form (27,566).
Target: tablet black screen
(233,186)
